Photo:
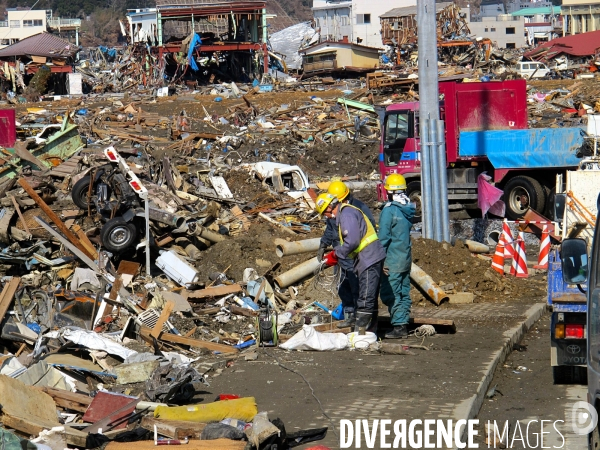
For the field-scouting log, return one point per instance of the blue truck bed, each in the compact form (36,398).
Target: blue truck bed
(561,296)
(527,149)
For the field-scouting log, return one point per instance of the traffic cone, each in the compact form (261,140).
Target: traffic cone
(544,250)
(519,265)
(509,250)
(498,259)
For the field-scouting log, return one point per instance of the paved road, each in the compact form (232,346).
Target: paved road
(529,394)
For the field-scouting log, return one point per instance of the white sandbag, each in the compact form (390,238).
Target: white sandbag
(309,339)
(361,342)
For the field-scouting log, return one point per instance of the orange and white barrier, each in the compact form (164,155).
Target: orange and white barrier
(519,265)
(544,250)
(506,237)
(498,259)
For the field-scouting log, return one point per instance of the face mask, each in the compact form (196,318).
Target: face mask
(401,198)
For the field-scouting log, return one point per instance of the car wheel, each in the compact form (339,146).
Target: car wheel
(79,194)
(118,235)
(522,193)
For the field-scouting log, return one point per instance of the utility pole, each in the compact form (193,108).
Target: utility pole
(434,191)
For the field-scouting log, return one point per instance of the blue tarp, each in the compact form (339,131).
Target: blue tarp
(111,52)
(533,148)
(196,41)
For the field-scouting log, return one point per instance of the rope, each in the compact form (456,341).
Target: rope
(328,282)
(424,330)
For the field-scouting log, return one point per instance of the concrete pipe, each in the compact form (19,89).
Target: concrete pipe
(427,285)
(200,231)
(493,238)
(476,247)
(297,273)
(285,248)
(159,215)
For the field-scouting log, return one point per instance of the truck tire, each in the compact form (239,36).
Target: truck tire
(118,235)
(569,375)
(413,191)
(79,194)
(522,193)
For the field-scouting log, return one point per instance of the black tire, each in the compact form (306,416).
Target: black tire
(550,199)
(79,194)
(569,375)
(413,191)
(522,193)
(118,235)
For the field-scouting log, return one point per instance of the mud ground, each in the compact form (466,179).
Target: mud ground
(355,384)
(528,391)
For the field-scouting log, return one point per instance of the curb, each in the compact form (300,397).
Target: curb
(512,336)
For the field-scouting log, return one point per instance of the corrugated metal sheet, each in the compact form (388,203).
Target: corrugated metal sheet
(43,44)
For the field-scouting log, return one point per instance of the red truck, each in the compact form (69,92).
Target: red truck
(486,131)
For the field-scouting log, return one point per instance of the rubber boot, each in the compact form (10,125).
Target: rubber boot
(399,332)
(349,320)
(363,319)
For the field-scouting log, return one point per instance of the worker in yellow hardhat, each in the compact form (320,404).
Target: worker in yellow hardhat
(351,232)
(395,223)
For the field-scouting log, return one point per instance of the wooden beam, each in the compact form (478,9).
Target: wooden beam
(176,339)
(164,316)
(66,399)
(85,241)
(7,295)
(217,291)
(52,215)
(174,429)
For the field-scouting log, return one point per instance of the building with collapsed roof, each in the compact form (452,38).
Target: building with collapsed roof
(574,47)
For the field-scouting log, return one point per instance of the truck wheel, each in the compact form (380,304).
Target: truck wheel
(522,193)
(569,375)
(413,191)
(79,194)
(117,235)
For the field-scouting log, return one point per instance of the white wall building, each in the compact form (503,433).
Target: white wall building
(21,24)
(142,24)
(505,31)
(356,21)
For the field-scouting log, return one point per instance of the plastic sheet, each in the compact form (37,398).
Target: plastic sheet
(488,197)
(242,409)
(309,339)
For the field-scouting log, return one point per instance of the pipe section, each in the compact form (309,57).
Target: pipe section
(285,248)
(427,285)
(297,273)
(205,233)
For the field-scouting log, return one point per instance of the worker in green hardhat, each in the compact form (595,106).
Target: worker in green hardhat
(395,223)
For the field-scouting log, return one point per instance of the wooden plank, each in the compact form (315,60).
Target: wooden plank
(216,444)
(66,399)
(174,429)
(23,221)
(85,241)
(175,339)
(217,291)
(33,426)
(7,295)
(237,212)
(52,215)
(164,316)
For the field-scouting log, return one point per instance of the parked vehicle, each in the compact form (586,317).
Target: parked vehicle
(532,69)
(576,209)
(486,131)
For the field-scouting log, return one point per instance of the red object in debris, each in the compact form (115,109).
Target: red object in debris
(228,397)
(105,404)
(8,130)
(319,447)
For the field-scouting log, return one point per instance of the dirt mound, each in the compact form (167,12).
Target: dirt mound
(341,159)
(255,248)
(457,270)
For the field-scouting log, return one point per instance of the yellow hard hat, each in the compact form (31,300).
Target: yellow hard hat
(395,182)
(339,189)
(323,201)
